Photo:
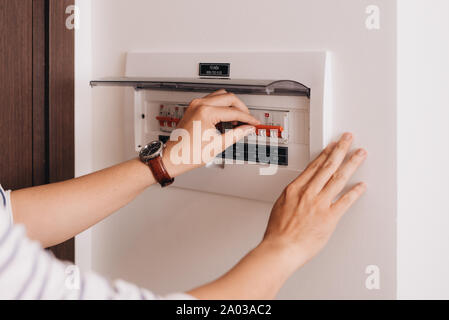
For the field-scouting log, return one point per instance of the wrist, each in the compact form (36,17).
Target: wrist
(174,169)
(290,258)
(169,166)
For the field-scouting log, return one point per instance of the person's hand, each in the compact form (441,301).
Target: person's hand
(200,122)
(306,214)
(301,223)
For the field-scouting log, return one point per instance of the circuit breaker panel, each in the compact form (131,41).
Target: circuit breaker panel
(273,131)
(291,116)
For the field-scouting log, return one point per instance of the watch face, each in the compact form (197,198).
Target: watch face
(151,151)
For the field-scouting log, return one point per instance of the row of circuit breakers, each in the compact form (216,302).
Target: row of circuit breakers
(273,132)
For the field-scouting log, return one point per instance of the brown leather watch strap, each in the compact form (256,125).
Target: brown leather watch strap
(160,172)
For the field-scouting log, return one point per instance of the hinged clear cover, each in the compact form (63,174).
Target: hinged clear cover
(244,86)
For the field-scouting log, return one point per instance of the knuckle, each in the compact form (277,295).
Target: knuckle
(339,176)
(314,165)
(321,202)
(328,164)
(307,195)
(195,102)
(325,154)
(202,110)
(355,159)
(345,201)
(341,147)
(359,190)
(291,190)
(328,150)
(348,198)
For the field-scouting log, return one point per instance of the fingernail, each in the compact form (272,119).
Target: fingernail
(347,136)
(361,152)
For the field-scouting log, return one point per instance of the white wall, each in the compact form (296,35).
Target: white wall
(423,152)
(172,239)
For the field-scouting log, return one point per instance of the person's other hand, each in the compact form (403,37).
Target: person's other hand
(306,214)
(200,119)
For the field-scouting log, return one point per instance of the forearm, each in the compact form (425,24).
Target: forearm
(56,212)
(258,276)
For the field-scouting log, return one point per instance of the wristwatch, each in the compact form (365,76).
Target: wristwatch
(151,155)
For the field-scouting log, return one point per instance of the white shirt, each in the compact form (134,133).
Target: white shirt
(27,271)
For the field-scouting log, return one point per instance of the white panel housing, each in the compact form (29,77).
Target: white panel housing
(307,124)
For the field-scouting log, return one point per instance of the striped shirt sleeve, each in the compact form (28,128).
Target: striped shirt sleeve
(28,272)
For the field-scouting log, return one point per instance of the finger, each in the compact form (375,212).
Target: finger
(216,93)
(348,199)
(331,165)
(225,100)
(220,114)
(313,167)
(233,136)
(342,176)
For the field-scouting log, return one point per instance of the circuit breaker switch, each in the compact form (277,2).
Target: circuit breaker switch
(169,117)
(269,131)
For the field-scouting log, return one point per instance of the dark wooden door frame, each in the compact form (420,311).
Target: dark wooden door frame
(37,53)
(53,100)
(40,93)
(61,105)
(16,94)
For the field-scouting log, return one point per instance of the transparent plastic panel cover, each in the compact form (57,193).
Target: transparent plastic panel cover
(245,86)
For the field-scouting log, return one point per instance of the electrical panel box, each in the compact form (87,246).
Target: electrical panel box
(274,130)
(292,109)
